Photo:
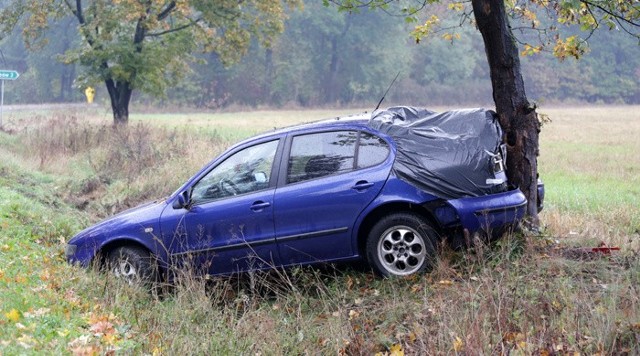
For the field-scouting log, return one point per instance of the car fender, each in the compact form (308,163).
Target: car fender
(394,192)
(139,226)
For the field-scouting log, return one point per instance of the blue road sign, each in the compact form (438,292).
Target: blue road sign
(8,74)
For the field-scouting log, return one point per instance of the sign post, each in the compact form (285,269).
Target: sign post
(5,75)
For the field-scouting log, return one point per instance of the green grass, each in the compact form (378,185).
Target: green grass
(522,295)
(33,278)
(590,163)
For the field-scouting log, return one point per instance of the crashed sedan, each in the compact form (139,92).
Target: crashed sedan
(386,187)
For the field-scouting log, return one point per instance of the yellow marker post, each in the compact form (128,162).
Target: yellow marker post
(90,93)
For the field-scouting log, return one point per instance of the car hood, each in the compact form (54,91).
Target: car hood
(145,215)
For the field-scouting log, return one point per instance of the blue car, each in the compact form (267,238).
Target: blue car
(387,187)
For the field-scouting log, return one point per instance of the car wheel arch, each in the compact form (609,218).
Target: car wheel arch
(377,213)
(103,253)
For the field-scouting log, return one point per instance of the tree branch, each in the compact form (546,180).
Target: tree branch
(609,12)
(167,11)
(79,13)
(175,29)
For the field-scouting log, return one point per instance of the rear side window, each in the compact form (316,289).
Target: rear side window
(328,153)
(372,150)
(321,154)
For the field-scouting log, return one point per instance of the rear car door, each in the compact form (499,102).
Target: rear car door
(327,180)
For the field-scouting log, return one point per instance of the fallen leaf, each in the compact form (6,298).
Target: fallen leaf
(445,282)
(89,350)
(458,344)
(37,313)
(353,314)
(102,327)
(109,338)
(412,337)
(349,283)
(26,341)
(522,345)
(13,315)
(79,341)
(513,337)
(396,350)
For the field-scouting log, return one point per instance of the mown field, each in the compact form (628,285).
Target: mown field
(64,169)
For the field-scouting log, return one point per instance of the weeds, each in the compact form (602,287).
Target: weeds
(519,295)
(114,168)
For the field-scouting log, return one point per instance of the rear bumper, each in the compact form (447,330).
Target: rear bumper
(491,212)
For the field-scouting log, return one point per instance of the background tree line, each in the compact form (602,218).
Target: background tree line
(325,57)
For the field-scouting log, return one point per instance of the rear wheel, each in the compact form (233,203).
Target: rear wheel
(132,264)
(401,244)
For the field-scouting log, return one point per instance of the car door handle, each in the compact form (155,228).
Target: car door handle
(259,205)
(362,185)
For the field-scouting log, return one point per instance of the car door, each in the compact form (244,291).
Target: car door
(323,188)
(229,225)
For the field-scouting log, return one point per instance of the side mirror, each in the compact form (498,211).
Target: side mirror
(260,177)
(182,200)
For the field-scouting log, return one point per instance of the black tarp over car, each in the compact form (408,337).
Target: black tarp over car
(448,154)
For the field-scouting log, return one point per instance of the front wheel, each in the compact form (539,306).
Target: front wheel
(132,264)
(401,244)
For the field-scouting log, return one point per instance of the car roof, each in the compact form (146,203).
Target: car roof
(331,123)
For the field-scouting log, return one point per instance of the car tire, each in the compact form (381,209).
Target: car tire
(133,264)
(401,244)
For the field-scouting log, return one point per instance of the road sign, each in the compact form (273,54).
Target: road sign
(8,74)
(5,75)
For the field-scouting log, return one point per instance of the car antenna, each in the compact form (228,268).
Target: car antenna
(385,93)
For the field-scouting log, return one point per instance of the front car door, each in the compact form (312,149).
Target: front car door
(326,182)
(229,225)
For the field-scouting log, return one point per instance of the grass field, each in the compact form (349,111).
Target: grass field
(64,169)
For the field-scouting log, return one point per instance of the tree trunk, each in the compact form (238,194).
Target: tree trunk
(331,85)
(268,74)
(120,95)
(517,117)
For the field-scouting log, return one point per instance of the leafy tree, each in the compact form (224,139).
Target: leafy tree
(322,57)
(146,44)
(492,18)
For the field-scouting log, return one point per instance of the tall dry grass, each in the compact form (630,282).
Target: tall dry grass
(520,295)
(112,168)
(517,296)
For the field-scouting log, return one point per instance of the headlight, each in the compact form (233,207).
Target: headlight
(70,250)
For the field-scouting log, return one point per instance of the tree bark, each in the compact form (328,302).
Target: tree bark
(331,82)
(120,95)
(517,117)
(331,91)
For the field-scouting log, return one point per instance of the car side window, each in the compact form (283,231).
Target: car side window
(246,171)
(321,154)
(372,150)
